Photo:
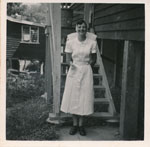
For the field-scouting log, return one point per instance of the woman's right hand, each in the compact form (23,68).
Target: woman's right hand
(72,70)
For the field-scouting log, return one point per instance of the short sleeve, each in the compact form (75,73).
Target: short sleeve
(68,48)
(94,47)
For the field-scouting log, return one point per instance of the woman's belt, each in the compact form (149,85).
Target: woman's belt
(81,62)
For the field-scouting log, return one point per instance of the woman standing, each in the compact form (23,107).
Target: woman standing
(78,97)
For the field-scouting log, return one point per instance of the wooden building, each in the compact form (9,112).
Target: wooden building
(25,41)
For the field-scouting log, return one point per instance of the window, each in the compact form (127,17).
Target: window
(30,34)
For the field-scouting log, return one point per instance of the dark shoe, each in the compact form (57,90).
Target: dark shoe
(82,131)
(73,130)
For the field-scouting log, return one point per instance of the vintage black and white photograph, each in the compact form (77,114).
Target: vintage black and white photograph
(75,71)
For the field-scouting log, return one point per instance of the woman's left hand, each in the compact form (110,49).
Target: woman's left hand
(93,59)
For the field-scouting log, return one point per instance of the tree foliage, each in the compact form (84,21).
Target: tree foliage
(31,12)
(15,8)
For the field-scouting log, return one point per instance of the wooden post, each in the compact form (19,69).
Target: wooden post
(55,15)
(130,90)
(55,47)
(88,10)
(48,69)
(48,62)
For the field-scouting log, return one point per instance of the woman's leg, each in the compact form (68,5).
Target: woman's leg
(80,121)
(74,128)
(75,120)
(81,127)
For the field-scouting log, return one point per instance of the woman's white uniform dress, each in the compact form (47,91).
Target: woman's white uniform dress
(78,97)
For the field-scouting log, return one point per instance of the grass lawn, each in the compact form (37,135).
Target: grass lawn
(27,121)
(26,111)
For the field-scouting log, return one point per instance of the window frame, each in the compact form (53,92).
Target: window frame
(30,27)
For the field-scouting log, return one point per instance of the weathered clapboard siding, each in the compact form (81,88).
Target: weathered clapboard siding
(115,8)
(119,21)
(102,6)
(137,24)
(132,14)
(16,49)
(122,35)
(13,41)
(77,17)
(78,6)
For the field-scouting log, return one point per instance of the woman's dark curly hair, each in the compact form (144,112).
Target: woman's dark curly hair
(81,22)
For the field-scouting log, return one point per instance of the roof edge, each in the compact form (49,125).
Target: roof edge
(24,22)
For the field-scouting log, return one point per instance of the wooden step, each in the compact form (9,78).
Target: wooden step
(95,87)
(105,115)
(63,54)
(101,100)
(102,115)
(66,64)
(95,75)
(99,87)
(101,105)
(99,91)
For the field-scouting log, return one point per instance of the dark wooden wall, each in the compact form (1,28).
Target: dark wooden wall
(13,38)
(119,21)
(78,7)
(16,49)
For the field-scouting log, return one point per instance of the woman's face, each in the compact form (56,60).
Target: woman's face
(81,29)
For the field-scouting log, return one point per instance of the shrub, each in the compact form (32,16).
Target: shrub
(23,87)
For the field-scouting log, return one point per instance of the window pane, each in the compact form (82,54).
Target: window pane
(26,34)
(34,34)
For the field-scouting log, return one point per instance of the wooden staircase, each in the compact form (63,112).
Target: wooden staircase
(103,103)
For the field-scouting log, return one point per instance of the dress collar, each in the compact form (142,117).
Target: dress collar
(81,42)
